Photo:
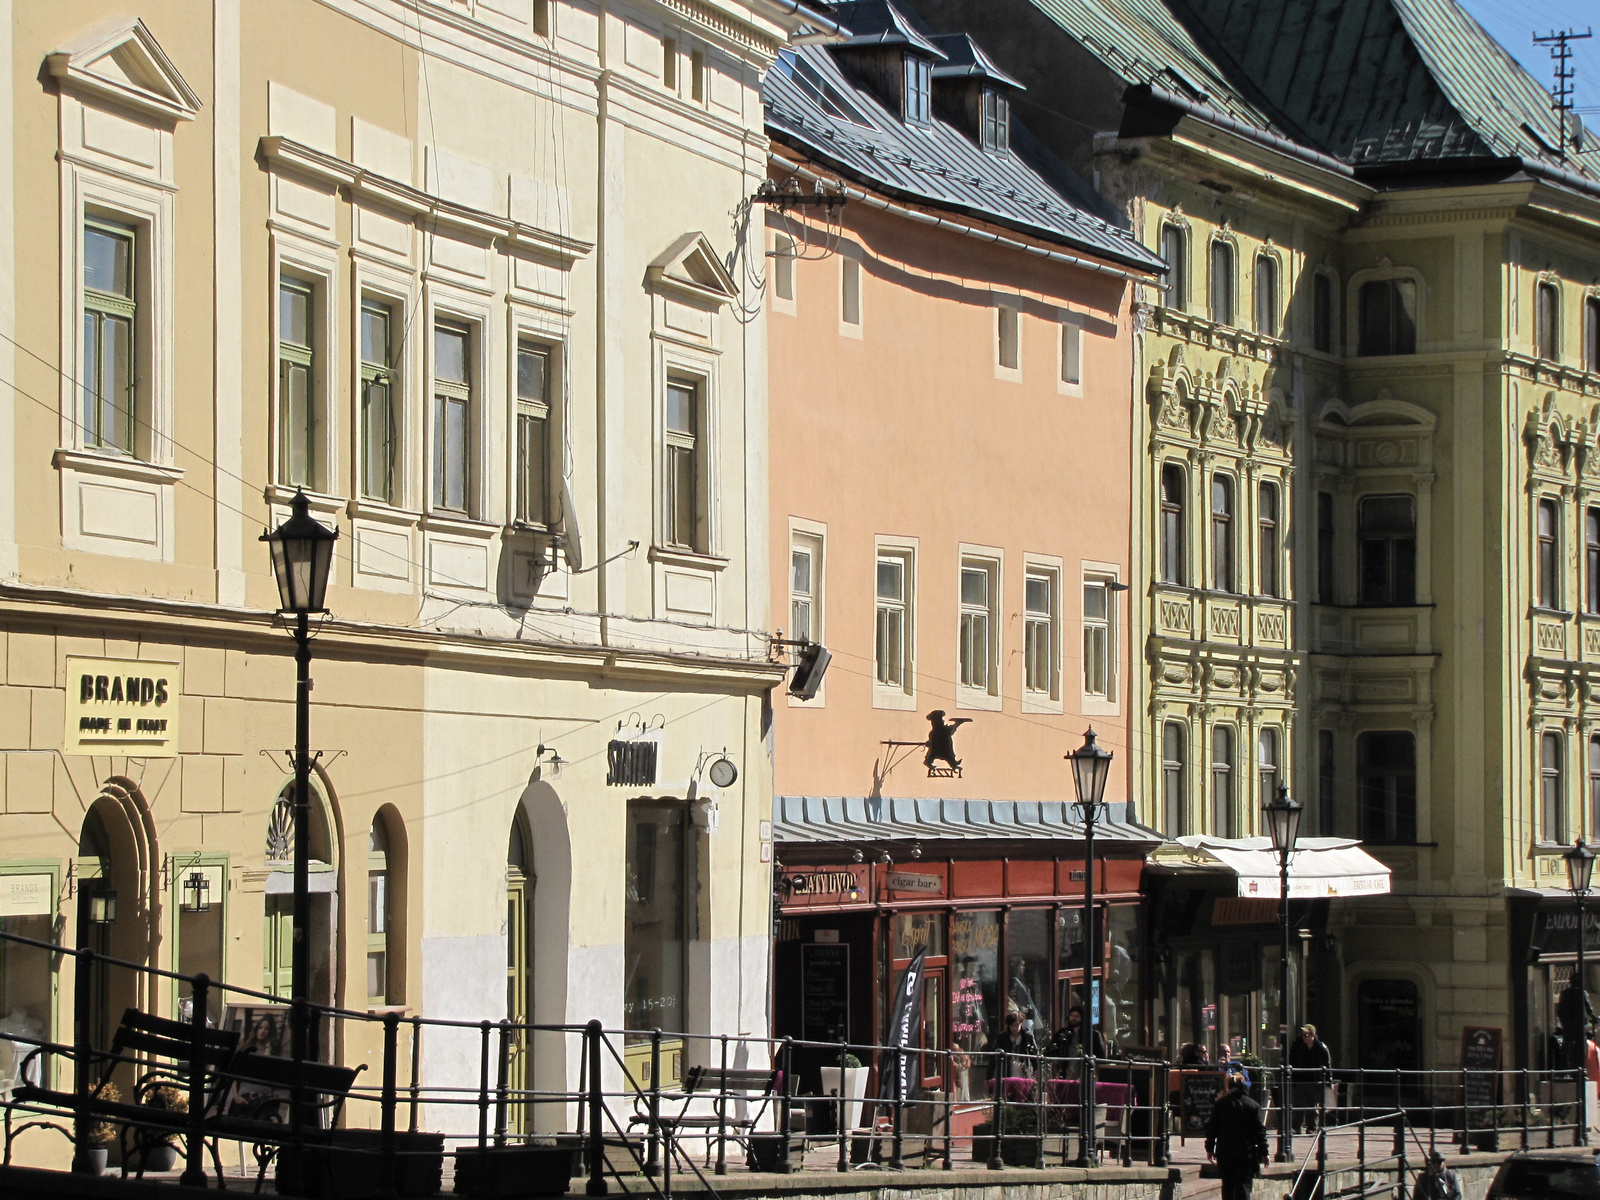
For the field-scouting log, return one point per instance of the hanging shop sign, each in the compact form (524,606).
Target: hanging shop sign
(915,883)
(122,706)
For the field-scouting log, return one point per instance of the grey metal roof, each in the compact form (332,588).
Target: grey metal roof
(965,59)
(880,23)
(813,106)
(883,819)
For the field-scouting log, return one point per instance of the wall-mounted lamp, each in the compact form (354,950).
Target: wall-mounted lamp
(555,762)
(854,893)
(196,893)
(916,851)
(856,856)
(102,907)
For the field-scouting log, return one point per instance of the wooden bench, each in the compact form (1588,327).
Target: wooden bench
(738,1084)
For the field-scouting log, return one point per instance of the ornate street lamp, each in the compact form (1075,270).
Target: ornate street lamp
(1091,767)
(302,557)
(1283,822)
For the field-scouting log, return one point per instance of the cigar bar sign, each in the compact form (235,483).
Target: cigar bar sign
(122,706)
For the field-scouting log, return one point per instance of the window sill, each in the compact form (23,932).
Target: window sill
(377,510)
(1547,849)
(462,525)
(383,1010)
(687,558)
(1041,703)
(282,494)
(974,698)
(891,697)
(1560,613)
(118,465)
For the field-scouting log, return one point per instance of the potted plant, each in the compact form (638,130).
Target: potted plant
(92,1161)
(162,1153)
(853,1087)
(510,1172)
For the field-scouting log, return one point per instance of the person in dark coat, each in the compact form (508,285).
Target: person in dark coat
(1018,1045)
(1574,1016)
(1236,1138)
(1069,1041)
(1310,1060)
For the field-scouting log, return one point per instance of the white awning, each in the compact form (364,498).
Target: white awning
(1319,867)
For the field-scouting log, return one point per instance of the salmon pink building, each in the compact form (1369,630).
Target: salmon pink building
(951,457)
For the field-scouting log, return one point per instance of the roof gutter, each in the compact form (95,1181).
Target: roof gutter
(966,229)
(1148,96)
(826,28)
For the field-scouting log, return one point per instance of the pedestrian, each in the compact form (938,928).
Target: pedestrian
(1310,1060)
(1574,1015)
(1069,1040)
(1016,1046)
(1591,1072)
(1438,1182)
(1236,1138)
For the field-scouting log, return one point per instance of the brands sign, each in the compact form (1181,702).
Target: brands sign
(122,706)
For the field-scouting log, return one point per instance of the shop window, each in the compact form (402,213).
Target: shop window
(1266,295)
(27,977)
(1123,976)
(1551,790)
(1324,547)
(380,399)
(1069,941)
(1267,538)
(1028,974)
(110,335)
(1175,250)
(1267,764)
(1222,577)
(452,417)
(1591,560)
(300,402)
(1386,786)
(1172,518)
(1172,779)
(975,994)
(1547,321)
(1222,807)
(1547,569)
(1322,313)
(1327,780)
(914,933)
(1039,631)
(534,427)
(1388,317)
(1388,545)
(1222,282)
(658,920)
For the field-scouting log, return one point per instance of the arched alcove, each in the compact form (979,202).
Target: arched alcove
(115,914)
(323,886)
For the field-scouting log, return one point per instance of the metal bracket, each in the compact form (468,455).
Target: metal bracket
(788,195)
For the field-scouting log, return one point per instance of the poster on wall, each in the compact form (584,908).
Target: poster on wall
(263,1029)
(825,991)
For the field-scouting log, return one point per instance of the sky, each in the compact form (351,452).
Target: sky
(1513,23)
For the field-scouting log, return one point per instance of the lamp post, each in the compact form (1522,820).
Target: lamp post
(302,556)
(1283,821)
(1580,873)
(1091,767)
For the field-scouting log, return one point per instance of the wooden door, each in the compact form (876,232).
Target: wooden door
(519,1007)
(278,947)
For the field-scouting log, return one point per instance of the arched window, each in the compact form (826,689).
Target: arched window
(1172,555)
(1548,567)
(1172,779)
(1175,250)
(1266,295)
(1388,317)
(378,913)
(1551,814)
(1222,819)
(1591,560)
(1594,784)
(1267,538)
(1591,333)
(1547,321)
(1386,786)
(1267,764)
(1222,282)
(1222,577)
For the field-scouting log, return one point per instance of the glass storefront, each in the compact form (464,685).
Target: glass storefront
(974,992)
(659,914)
(1029,983)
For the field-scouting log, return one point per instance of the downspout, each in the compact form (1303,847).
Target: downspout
(807,15)
(964,228)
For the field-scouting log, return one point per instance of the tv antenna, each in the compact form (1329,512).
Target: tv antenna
(1560,43)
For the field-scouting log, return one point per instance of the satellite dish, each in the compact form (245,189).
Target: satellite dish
(723,773)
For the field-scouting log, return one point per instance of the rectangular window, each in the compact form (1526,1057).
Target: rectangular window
(1222,817)
(1172,780)
(805,587)
(1039,632)
(1266,295)
(697,77)
(1591,564)
(1386,787)
(1327,781)
(1594,782)
(681,503)
(1322,313)
(783,255)
(1267,539)
(1547,321)
(919,89)
(452,417)
(979,624)
(1172,518)
(1388,545)
(892,648)
(669,64)
(1267,765)
(380,420)
(1222,283)
(1007,325)
(110,311)
(850,290)
(1222,577)
(1325,548)
(1071,352)
(299,406)
(1591,333)
(1098,613)
(377,919)
(1551,823)
(1388,317)
(1174,249)
(533,433)
(1548,549)
(996,121)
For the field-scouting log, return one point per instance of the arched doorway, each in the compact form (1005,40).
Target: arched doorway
(278,937)
(519,965)
(113,915)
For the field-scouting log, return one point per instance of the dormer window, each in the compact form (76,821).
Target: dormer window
(919,89)
(996,128)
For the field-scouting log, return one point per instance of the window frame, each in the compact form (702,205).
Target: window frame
(1547,554)
(105,306)
(1172,531)
(895,690)
(973,691)
(1223,800)
(1591,557)
(1397,341)
(1070,382)
(1394,552)
(1591,333)
(1224,553)
(1266,295)
(1547,320)
(467,393)
(546,408)
(995,123)
(1269,762)
(1269,539)
(1594,783)
(783,254)
(683,447)
(1224,303)
(1177,290)
(811,539)
(850,313)
(1174,771)
(1047,620)
(916,98)
(1008,341)
(1550,828)
(1400,825)
(292,356)
(1103,629)
(391,376)
(378,939)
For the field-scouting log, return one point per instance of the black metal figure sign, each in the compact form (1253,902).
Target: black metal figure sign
(942,742)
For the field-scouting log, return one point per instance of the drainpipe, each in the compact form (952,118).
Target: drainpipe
(826,29)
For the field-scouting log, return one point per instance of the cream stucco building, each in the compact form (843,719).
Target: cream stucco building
(476,276)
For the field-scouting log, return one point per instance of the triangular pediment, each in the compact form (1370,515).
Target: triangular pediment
(123,62)
(690,267)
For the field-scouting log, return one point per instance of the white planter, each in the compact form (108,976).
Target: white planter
(855,1089)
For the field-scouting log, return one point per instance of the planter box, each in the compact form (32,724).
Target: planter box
(347,1165)
(853,1091)
(509,1172)
(766,1149)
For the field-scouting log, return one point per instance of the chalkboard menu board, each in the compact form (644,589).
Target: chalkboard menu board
(1480,1086)
(1197,1097)
(825,991)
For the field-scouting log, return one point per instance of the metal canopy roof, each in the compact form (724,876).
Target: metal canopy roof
(813,106)
(884,819)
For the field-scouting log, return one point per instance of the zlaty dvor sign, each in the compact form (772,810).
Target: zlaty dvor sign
(122,706)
